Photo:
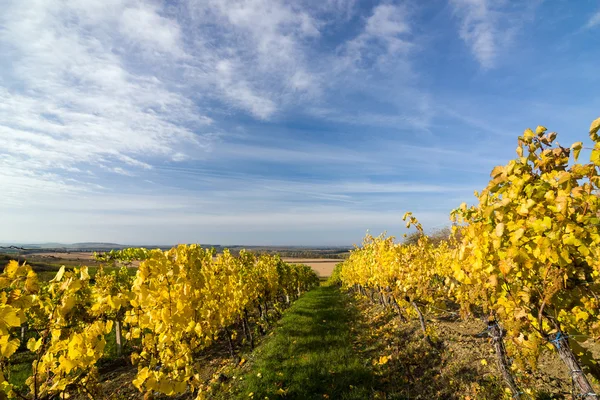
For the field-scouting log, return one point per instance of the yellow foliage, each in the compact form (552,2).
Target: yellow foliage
(531,243)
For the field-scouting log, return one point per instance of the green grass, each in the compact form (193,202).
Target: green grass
(310,355)
(20,370)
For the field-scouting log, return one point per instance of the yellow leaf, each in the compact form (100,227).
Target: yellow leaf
(528,134)
(9,317)
(498,170)
(166,387)
(520,151)
(67,304)
(11,268)
(581,315)
(31,283)
(108,327)
(595,156)
(576,147)
(499,229)
(594,127)
(383,360)
(141,377)
(59,274)
(34,345)
(540,130)
(66,364)
(8,347)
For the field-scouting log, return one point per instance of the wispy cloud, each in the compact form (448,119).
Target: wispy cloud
(69,97)
(308,120)
(478,29)
(362,67)
(385,35)
(594,21)
(251,54)
(489,27)
(143,26)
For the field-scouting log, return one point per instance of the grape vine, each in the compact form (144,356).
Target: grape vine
(527,255)
(179,302)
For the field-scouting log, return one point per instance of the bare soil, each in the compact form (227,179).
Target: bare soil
(459,365)
(322,266)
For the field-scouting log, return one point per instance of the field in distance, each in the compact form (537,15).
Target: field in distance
(322,266)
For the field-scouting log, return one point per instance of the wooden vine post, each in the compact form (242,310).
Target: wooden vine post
(119,337)
(248,330)
(496,333)
(421,320)
(232,352)
(420,315)
(561,344)
(396,307)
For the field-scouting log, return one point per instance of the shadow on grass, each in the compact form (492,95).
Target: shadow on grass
(311,355)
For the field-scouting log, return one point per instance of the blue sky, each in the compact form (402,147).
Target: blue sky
(302,122)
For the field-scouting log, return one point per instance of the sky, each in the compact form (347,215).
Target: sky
(268,122)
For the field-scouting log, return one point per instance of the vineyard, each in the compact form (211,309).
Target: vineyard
(524,263)
(525,260)
(178,303)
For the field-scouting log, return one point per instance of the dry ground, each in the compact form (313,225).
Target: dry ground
(459,365)
(322,266)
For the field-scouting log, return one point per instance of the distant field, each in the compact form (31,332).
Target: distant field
(322,266)
(82,256)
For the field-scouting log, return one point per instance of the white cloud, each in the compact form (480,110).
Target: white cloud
(489,28)
(387,22)
(143,24)
(238,91)
(127,88)
(126,83)
(377,64)
(253,53)
(385,36)
(69,97)
(593,21)
(102,84)
(478,29)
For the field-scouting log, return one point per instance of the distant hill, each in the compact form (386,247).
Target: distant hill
(73,245)
(59,247)
(285,251)
(95,244)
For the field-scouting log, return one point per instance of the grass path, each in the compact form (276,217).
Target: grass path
(310,355)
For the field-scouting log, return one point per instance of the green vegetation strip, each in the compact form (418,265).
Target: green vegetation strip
(310,355)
